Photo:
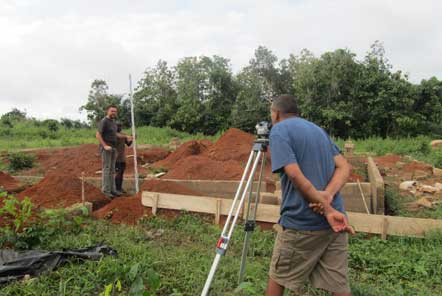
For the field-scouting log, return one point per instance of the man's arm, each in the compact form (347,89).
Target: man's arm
(340,176)
(308,191)
(124,136)
(103,144)
(337,220)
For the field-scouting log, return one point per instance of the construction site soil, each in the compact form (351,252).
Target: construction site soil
(61,191)
(8,183)
(86,158)
(187,149)
(198,167)
(129,209)
(203,160)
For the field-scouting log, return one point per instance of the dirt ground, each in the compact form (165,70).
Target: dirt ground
(86,158)
(224,159)
(396,169)
(8,183)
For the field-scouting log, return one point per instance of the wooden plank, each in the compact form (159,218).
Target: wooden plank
(365,223)
(377,187)
(216,187)
(351,194)
(377,224)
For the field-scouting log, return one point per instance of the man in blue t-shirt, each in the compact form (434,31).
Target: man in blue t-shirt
(312,245)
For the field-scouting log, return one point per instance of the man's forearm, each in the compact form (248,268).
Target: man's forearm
(338,180)
(100,139)
(309,192)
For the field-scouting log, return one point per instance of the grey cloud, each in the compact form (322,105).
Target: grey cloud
(52,50)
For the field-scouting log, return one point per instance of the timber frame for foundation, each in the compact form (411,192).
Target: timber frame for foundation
(368,223)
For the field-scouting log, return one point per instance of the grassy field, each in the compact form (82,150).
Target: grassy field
(177,261)
(180,258)
(25,135)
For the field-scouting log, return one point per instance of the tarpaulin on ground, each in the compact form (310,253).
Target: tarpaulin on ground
(16,265)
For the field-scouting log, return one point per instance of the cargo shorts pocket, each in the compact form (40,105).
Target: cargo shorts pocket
(284,261)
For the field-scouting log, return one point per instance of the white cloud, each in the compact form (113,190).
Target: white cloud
(51,51)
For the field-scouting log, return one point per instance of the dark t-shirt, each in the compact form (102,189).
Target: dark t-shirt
(108,130)
(298,141)
(121,149)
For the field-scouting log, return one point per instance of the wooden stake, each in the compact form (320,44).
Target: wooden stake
(155,197)
(218,211)
(83,198)
(384,229)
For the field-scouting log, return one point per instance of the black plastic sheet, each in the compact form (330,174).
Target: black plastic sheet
(16,265)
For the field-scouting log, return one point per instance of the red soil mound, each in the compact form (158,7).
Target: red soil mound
(203,168)
(388,160)
(151,156)
(129,210)
(126,210)
(55,191)
(418,166)
(85,158)
(187,149)
(8,183)
(233,145)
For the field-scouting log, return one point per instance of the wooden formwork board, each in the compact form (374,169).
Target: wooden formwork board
(377,187)
(376,224)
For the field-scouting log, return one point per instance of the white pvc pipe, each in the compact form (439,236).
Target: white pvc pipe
(134,141)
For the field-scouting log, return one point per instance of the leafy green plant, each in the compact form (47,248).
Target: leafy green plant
(19,161)
(137,287)
(19,211)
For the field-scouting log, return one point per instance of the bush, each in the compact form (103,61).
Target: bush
(19,161)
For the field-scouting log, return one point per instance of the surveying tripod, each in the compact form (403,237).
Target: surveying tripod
(257,154)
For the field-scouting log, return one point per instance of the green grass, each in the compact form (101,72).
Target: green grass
(183,254)
(25,135)
(417,147)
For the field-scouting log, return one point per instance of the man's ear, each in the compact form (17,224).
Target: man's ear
(278,116)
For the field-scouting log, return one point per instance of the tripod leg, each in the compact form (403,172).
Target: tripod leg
(250,224)
(223,242)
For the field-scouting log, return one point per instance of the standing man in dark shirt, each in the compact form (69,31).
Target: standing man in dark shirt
(120,165)
(107,135)
(312,245)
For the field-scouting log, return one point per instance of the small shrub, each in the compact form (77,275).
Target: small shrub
(20,161)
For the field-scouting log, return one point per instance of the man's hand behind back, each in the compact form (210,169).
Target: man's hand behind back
(318,207)
(338,221)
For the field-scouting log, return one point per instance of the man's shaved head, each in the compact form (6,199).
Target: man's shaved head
(286,104)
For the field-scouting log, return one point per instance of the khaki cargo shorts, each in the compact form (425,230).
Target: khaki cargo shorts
(316,256)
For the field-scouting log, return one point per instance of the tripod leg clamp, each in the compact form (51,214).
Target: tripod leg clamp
(221,246)
(249,226)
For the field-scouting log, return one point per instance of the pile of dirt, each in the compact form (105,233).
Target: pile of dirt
(234,144)
(185,150)
(153,155)
(417,166)
(203,168)
(61,191)
(126,210)
(8,183)
(388,160)
(129,210)
(85,158)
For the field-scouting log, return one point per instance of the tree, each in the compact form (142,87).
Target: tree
(98,101)
(155,98)
(12,117)
(192,89)
(258,83)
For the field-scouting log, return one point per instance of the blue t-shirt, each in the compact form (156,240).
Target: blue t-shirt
(298,141)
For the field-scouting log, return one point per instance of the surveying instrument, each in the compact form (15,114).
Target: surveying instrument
(256,155)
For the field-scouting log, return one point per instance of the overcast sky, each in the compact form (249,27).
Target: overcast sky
(51,51)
